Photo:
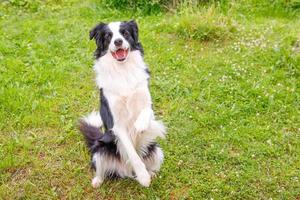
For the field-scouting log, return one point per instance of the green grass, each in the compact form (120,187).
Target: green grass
(208,24)
(231,104)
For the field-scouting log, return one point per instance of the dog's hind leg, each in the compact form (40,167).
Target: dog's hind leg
(89,126)
(100,170)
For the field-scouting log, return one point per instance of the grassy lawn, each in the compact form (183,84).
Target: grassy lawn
(225,80)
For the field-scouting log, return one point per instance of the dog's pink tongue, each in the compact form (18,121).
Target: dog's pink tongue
(120,54)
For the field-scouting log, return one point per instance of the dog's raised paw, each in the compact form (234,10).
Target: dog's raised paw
(141,125)
(96,182)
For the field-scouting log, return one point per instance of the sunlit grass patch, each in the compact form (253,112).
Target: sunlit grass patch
(205,25)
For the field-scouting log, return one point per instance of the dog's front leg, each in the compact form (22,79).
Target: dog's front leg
(142,98)
(143,120)
(139,167)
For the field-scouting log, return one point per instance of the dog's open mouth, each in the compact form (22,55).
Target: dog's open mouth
(120,54)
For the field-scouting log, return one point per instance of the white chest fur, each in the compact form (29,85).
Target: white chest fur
(125,86)
(121,78)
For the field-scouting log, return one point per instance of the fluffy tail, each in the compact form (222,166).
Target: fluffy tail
(94,137)
(90,128)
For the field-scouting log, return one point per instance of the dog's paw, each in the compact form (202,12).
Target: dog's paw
(141,125)
(144,179)
(96,182)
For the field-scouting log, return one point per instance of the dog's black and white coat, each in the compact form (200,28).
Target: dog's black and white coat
(121,138)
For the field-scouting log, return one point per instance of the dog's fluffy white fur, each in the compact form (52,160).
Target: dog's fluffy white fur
(126,107)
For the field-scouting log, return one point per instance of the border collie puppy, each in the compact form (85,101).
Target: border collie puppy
(121,137)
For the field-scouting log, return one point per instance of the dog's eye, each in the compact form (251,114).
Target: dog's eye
(107,36)
(125,33)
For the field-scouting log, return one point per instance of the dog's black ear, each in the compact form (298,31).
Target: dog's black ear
(134,30)
(95,32)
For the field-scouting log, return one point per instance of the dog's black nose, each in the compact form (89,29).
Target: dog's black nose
(118,42)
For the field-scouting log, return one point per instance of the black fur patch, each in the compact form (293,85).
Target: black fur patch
(95,142)
(131,27)
(91,135)
(102,35)
(112,175)
(151,149)
(105,112)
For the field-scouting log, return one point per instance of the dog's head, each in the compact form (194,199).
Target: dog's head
(117,39)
